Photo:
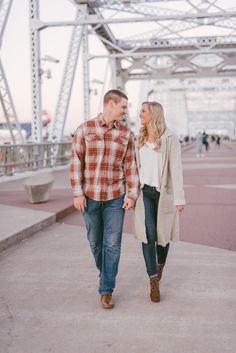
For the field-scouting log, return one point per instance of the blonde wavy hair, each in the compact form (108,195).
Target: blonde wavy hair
(157,123)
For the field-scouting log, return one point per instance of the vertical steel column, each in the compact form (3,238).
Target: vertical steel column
(186,112)
(5,7)
(8,107)
(86,73)
(67,83)
(113,73)
(117,80)
(103,87)
(234,122)
(35,72)
(5,95)
(118,77)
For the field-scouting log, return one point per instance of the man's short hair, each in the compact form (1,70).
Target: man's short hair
(115,95)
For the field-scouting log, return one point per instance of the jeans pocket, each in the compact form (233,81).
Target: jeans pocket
(92,205)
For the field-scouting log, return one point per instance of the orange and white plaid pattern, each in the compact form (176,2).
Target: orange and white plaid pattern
(103,165)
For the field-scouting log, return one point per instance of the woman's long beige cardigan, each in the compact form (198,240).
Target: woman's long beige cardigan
(171,193)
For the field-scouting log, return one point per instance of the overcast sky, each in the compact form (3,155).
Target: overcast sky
(15,55)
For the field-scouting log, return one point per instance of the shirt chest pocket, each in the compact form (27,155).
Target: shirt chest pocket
(119,147)
(94,144)
(92,138)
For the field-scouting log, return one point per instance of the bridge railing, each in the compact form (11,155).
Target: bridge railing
(30,156)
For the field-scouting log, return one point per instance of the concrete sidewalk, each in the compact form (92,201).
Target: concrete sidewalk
(48,293)
(29,218)
(49,300)
(19,218)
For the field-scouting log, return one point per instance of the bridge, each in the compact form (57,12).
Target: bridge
(48,294)
(178,52)
(181,53)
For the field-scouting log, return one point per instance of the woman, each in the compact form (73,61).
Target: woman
(162,197)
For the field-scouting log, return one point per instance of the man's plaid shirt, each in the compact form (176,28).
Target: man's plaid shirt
(103,165)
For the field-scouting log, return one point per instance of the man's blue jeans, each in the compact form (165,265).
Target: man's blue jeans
(152,252)
(104,223)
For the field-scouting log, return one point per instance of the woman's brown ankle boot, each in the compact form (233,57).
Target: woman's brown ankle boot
(160,269)
(154,289)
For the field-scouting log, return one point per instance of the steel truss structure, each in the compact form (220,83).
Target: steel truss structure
(5,94)
(173,42)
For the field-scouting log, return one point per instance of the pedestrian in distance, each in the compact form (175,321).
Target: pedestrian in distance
(205,141)
(161,199)
(105,183)
(218,141)
(199,144)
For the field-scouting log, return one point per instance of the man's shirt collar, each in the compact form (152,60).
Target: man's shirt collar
(102,122)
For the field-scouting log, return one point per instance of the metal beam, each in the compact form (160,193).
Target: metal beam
(94,19)
(67,83)
(86,87)
(203,42)
(179,75)
(164,52)
(9,108)
(5,7)
(35,72)
(98,3)
(5,94)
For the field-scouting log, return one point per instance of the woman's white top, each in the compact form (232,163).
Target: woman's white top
(151,165)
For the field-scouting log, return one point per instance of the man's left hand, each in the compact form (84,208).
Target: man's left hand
(128,204)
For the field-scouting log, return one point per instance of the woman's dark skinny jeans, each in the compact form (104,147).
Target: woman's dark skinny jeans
(152,252)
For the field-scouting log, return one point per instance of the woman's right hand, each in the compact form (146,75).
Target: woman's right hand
(179,208)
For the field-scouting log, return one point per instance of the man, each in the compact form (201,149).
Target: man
(105,183)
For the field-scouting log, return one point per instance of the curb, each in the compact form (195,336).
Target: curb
(65,212)
(16,238)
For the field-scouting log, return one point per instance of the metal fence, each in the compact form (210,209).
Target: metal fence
(25,157)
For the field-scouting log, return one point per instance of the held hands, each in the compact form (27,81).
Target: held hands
(80,203)
(179,208)
(128,204)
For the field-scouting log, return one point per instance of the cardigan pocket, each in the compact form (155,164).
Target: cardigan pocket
(168,203)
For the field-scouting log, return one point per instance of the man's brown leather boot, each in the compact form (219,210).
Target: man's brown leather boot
(106,300)
(154,290)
